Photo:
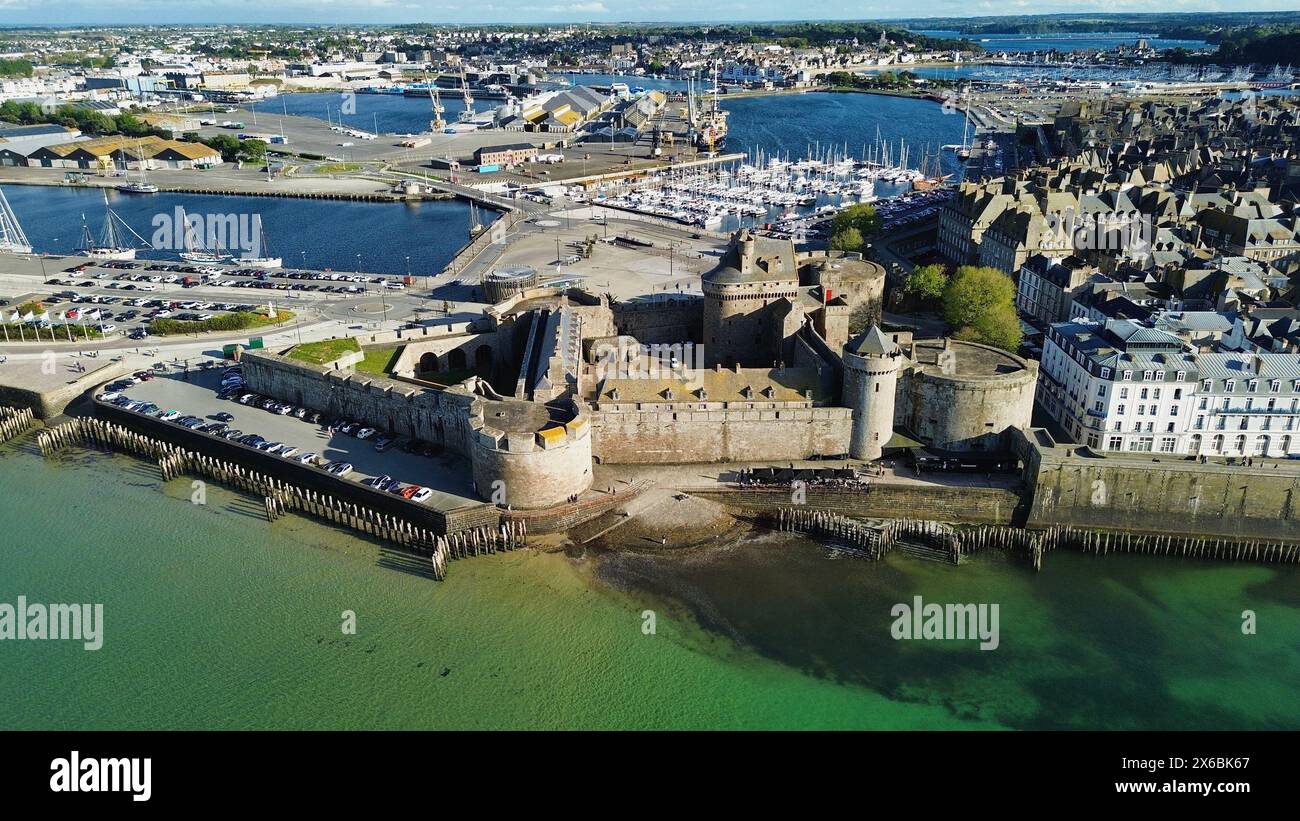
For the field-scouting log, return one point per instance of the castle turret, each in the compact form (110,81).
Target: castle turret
(871,363)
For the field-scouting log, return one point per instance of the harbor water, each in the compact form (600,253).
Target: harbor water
(318,234)
(214,618)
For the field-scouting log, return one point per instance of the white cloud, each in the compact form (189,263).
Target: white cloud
(579,8)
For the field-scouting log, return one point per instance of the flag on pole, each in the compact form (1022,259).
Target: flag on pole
(29,316)
(44,318)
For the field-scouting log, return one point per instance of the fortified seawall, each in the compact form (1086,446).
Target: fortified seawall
(942,503)
(47,396)
(1155,493)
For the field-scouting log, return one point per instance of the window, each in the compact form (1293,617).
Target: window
(1155,393)
(1182,375)
(1105,373)
(1146,376)
(1207,385)
(1253,385)
(1123,393)
(1274,386)
(1230,386)
(1143,394)
(1119,409)
(1173,410)
(1160,376)
(1178,393)
(1167,444)
(1099,407)
(1128,376)
(1169,428)
(1114,442)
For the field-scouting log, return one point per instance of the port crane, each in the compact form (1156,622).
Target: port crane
(468,113)
(437,125)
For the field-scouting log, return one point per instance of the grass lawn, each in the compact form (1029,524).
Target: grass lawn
(238,321)
(327,350)
(337,168)
(380,361)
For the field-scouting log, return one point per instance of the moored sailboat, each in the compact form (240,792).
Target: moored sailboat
(114,241)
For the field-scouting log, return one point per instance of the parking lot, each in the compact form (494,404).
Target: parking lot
(447,475)
(123,297)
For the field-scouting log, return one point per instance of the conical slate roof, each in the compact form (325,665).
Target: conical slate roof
(871,342)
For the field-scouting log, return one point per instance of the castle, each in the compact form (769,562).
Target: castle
(759,368)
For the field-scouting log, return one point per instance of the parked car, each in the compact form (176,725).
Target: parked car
(421,494)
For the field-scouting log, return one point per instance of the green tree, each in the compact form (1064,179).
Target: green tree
(253,150)
(849,239)
(981,304)
(861,216)
(927,282)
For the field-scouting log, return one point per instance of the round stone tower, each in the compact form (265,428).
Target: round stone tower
(871,363)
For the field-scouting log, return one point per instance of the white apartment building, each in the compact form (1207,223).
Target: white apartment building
(1246,404)
(1121,386)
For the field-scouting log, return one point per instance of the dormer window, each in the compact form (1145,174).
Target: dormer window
(1230,385)
(1128,376)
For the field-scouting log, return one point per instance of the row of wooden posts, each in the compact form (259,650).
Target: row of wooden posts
(15,422)
(876,541)
(280,497)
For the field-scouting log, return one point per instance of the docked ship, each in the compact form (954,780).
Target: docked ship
(265,261)
(141,184)
(711,133)
(194,250)
(114,241)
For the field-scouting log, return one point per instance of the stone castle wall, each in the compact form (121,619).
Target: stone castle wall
(719,435)
(678,319)
(537,471)
(964,413)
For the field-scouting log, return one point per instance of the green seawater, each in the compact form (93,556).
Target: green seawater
(214,618)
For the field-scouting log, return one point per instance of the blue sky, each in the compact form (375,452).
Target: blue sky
(18,12)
